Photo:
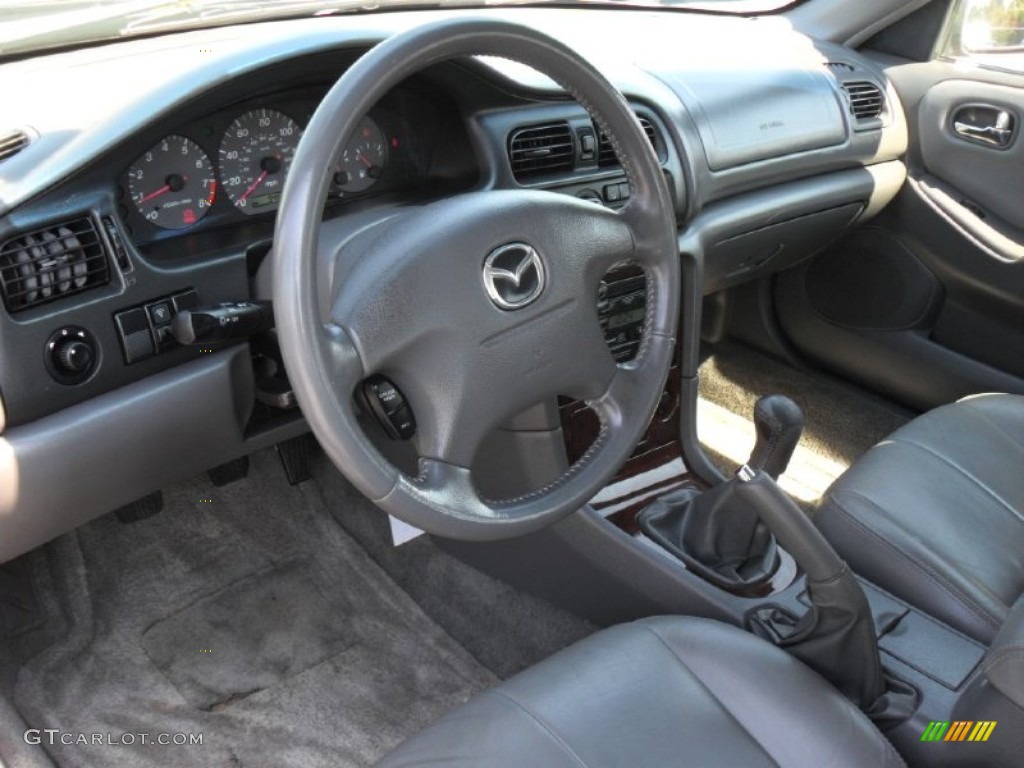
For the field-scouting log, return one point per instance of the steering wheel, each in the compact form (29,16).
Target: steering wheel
(477,306)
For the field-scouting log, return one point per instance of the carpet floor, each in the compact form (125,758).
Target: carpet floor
(842,421)
(243,614)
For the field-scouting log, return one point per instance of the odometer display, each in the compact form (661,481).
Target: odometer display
(172,185)
(255,155)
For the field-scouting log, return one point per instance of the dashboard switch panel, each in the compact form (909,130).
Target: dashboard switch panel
(146,331)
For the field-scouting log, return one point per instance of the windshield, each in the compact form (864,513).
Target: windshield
(32,25)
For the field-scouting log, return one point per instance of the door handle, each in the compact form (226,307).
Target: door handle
(991,126)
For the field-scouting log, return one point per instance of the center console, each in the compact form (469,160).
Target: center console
(656,465)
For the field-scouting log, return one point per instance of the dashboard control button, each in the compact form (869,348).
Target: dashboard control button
(186,300)
(136,341)
(588,145)
(611,193)
(160,313)
(624,191)
(388,405)
(72,355)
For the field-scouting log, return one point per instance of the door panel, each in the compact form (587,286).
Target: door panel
(989,174)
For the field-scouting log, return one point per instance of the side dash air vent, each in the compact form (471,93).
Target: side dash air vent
(540,149)
(50,263)
(12,142)
(865,99)
(605,153)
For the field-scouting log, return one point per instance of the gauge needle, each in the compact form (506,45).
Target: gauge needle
(253,186)
(174,183)
(363,160)
(156,193)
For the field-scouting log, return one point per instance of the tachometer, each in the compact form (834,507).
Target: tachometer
(363,159)
(172,185)
(255,155)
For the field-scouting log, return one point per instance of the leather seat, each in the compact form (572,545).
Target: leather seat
(667,691)
(935,513)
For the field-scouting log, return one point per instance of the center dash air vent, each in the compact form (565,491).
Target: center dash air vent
(540,149)
(47,264)
(12,142)
(605,153)
(865,99)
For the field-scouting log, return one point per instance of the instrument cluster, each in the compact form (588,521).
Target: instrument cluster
(234,163)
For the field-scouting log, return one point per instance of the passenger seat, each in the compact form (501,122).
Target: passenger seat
(935,513)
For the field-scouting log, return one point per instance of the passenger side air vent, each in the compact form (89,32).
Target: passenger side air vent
(605,153)
(12,142)
(540,149)
(865,99)
(47,264)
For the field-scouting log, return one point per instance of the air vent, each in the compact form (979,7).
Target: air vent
(12,142)
(605,153)
(48,264)
(837,66)
(865,99)
(541,149)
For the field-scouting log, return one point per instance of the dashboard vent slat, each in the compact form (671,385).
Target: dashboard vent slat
(12,142)
(541,149)
(866,101)
(53,262)
(605,152)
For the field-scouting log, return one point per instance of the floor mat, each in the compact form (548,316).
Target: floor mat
(842,421)
(243,616)
(505,628)
(254,633)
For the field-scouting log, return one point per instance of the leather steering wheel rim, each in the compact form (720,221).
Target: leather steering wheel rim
(378,322)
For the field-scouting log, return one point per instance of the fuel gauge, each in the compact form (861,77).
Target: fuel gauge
(363,159)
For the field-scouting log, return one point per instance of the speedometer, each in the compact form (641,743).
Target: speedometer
(255,155)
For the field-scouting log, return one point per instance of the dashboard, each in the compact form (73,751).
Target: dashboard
(150,186)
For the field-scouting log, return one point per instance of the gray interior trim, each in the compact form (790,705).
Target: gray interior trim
(60,471)
(1001,239)
(874,186)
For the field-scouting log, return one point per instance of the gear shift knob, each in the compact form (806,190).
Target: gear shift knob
(779,423)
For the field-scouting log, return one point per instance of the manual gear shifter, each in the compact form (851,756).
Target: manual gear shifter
(779,423)
(716,534)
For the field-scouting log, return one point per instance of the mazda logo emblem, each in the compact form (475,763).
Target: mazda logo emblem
(514,275)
